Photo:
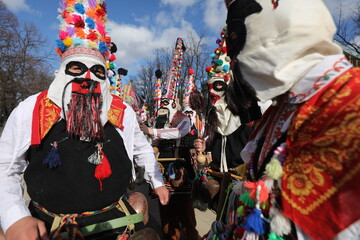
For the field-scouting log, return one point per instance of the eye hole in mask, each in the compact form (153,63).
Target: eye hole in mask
(219,86)
(164,102)
(98,71)
(75,69)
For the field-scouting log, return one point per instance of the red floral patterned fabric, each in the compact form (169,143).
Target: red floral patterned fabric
(320,184)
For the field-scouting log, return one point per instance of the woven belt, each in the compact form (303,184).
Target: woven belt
(109,225)
(62,219)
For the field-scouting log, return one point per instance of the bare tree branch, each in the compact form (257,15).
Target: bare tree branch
(24,66)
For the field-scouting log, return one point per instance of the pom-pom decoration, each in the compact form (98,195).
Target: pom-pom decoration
(254,187)
(157,95)
(172,82)
(220,60)
(122,71)
(189,85)
(82,23)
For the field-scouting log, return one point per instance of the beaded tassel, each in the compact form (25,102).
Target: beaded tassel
(96,157)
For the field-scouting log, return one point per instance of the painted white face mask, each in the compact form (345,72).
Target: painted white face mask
(217,87)
(168,109)
(278,45)
(82,90)
(74,69)
(188,111)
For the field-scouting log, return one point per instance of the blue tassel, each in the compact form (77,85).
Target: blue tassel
(254,223)
(217,232)
(53,160)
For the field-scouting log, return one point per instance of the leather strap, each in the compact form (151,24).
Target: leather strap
(122,207)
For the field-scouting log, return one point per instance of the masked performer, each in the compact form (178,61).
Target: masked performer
(303,157)
(178,216)
(171,125)
(75,143)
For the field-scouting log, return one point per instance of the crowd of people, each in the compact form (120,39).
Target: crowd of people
(285,171)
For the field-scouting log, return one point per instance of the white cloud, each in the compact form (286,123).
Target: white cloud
(215,14)
(162,19)
(137,43)
(17,5)
(144,20)
(177,3)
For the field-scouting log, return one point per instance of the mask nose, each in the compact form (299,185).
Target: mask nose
(88,76)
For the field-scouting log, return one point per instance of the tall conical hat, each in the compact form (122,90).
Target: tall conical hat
(171,84)
(189,86)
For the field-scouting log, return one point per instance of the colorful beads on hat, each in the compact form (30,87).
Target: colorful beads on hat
(189,86)
(171,83)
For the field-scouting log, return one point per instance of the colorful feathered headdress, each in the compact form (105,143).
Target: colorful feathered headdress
(82,29)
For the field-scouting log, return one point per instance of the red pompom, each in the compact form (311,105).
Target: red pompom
(208,69)
(92,36)
(223,49)
(112,58)
(191,71)
(100,12)
(78,21)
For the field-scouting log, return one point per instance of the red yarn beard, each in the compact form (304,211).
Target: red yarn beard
(84,109)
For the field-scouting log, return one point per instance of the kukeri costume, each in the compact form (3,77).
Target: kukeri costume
(303,156)
(228,129)
(171,125)
(75,142)
(179,214)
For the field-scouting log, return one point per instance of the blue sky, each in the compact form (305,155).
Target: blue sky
(138,27)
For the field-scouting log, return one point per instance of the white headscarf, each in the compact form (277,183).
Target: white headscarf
(283,44)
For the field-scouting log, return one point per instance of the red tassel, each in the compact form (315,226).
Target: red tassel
(103,170)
